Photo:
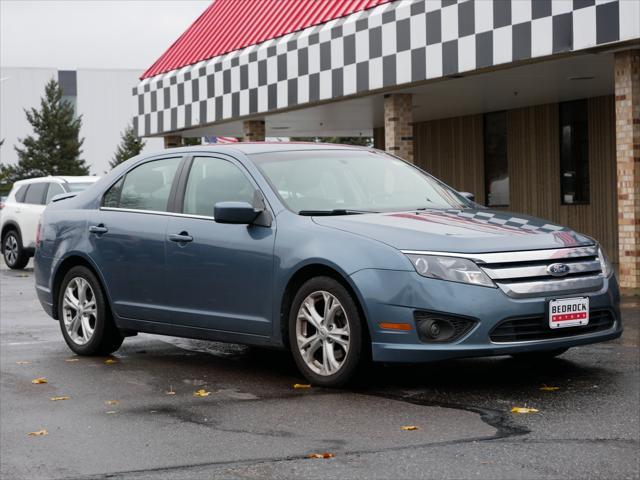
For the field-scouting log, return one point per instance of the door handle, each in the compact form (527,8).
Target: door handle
(182,237)
(98,229)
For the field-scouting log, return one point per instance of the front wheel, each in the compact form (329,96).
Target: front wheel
(326,332)
(85,320)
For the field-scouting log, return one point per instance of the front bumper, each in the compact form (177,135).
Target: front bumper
(394,296)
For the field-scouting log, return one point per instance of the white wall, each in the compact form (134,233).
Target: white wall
(104,101)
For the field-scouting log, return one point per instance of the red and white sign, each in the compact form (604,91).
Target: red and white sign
(568,312)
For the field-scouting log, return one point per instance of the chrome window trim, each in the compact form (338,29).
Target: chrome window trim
(516,256)
(156,212)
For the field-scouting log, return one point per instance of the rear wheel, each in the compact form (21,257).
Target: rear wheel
(326,332)
(14,254)
(541,355)
(85,320)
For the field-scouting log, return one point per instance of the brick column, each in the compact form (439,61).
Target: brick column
(398,127)
(172,141)
(253,130)
(627,86)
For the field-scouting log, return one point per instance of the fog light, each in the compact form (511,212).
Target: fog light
(435,327)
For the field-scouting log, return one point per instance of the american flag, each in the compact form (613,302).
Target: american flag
(214,139)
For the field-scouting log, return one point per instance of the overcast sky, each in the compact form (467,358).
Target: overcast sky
(75,34)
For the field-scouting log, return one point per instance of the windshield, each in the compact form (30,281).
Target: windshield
(352,181)
(77,187)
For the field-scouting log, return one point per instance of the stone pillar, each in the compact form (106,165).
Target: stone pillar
(378,138)
(253,130)
(172,141)
(398,127)
(627,87)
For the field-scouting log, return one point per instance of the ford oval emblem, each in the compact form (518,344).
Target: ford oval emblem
(558,269)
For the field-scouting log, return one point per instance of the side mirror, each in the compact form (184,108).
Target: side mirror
(468,196)
(241,213)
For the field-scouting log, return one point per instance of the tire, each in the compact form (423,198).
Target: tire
(540,355)
(94,332)
(14,254)
(343,361)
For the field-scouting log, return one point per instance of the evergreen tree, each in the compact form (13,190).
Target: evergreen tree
(130,146)
(55,147)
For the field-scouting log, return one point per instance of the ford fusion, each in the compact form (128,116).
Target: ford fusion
(340,254)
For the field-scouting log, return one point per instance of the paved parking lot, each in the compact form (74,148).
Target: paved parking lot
(119,421)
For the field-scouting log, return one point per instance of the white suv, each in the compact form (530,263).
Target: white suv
(20,213)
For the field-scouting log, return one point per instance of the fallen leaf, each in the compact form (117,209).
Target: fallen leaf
(301,385)
(38,381)
(545,388)
(57,399)
(110,361)
(112,402)
(71,360)
(523,410)
(321,455)
(409,428)
(38,433)
(23,362)
(201,393)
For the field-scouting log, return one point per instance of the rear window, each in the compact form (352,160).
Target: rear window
(35,193)
(20,193)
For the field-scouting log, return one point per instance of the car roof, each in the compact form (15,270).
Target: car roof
(251,148)
(60,179)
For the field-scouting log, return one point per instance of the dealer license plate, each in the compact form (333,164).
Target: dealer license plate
(568,312)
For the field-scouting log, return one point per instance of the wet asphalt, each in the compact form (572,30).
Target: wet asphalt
(120,422)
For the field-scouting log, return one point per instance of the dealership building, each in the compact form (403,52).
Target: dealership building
(532,105)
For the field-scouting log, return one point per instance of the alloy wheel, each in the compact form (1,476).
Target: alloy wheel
(322,332)
(11,249)
(80,312)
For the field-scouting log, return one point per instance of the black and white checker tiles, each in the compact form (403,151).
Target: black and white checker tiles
(393,44)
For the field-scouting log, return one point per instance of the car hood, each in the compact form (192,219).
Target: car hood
(464,231)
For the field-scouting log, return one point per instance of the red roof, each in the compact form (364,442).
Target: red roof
(228,25)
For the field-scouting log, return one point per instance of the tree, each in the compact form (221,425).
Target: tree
(130,146)
(55,147)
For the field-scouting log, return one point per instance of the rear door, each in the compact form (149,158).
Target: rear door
(128,235)
(29,211)
(222,277)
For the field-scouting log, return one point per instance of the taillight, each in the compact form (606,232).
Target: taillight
(39,233)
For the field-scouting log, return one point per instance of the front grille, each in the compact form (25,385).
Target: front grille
(525,274)
(537,328)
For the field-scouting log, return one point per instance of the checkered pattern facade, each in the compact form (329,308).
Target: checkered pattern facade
(391,45)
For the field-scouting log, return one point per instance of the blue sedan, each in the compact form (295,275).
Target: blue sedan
(340,254)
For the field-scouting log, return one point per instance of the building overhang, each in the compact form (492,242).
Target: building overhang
(420,46)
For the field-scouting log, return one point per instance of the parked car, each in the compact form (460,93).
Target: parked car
(21,210)
(341,254)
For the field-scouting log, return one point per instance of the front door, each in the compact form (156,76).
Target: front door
(219,276)
(127,238)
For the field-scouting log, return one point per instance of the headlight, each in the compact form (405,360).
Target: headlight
(605,265)
(450,268)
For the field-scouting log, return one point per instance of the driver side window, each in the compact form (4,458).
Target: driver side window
(213,180)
